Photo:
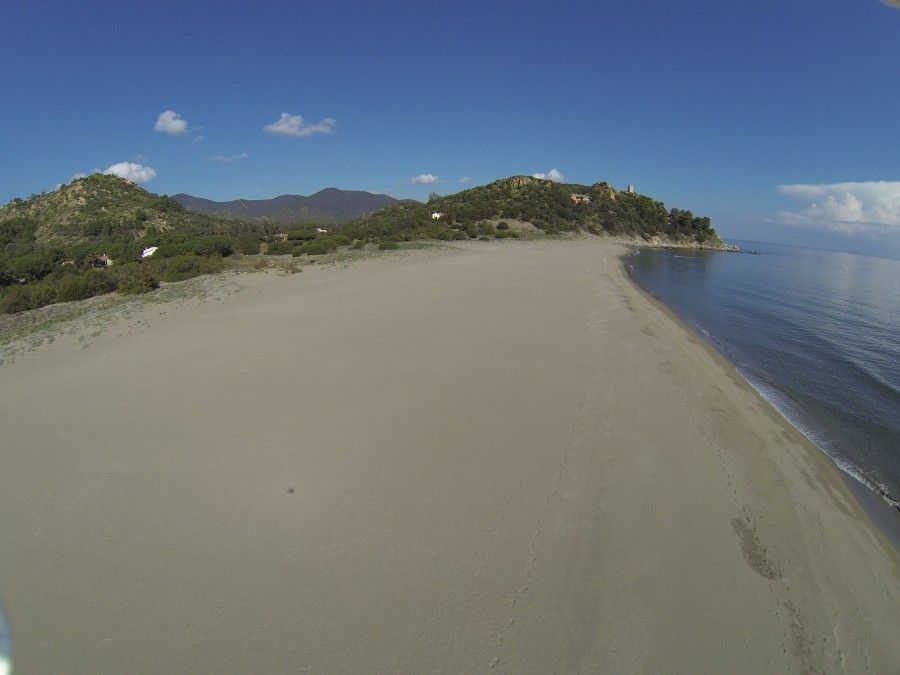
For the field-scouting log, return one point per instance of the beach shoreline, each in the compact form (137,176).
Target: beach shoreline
(883,511)
(492,456)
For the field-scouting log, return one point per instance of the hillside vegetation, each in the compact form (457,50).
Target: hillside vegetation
(53,246)
(550,207)
(94,206)
(88,237)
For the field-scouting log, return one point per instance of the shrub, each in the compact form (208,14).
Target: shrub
(318,246)
(43,294)
(16,299)
(247,244)
(31,266)
(184,267)
(388,246)
(101,281)
(502,225)
(486,228)
(279,247)
(135,279)
(73,287)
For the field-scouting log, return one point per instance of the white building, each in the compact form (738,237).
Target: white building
(147,252)
(436,215)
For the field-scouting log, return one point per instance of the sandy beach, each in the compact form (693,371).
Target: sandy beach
(494,457)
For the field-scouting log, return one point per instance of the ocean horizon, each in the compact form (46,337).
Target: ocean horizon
(813,331)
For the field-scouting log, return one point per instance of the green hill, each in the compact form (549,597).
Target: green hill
(94,206)
(88,237)
(548,206)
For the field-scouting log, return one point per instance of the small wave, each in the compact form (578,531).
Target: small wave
(789,410)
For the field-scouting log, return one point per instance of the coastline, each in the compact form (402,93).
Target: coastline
(502,455)
(883,511)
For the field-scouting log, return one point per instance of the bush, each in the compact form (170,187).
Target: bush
(388,246)
(101,281)
(135,279)
(487,229)
(201,245)
(503,225)
(279,247)
(184,267)
(318,246)
(247,244)
(73,287)
(16,299)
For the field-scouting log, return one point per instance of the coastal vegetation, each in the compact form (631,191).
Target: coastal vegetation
(92,235)
(550,207)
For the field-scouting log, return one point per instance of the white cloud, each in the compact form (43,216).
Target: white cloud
(196,139)
(293,125)
(424,179)
(170,122)
(228,159)
(872,206)
(465,179)
(76,176)
(136,173)
(553,174)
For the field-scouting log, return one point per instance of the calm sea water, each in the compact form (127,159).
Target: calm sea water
(816,332)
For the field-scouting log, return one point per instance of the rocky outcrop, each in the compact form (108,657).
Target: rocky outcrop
(605,190)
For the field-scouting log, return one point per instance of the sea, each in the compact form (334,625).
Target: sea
(817,333)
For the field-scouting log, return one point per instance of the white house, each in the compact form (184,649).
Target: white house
(436,215)
(147,252)
(321,231)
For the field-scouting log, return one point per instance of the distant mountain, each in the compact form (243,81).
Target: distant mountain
(330,205)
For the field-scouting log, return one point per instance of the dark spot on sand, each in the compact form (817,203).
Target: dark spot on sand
(291,490)
(754,552)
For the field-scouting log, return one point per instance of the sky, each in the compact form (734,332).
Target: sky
(780,120)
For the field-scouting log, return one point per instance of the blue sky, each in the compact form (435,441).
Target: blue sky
(705,105)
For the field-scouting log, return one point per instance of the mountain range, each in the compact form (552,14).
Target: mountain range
(330,205)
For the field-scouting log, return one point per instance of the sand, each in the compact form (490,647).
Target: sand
(498,457)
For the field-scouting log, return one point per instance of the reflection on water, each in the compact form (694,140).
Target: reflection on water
(817,332)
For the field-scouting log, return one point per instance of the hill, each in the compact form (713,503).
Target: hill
(328,206)
(90,236)
(545,205)
(94,206)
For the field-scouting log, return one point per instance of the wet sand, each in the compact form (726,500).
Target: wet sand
(502,457)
